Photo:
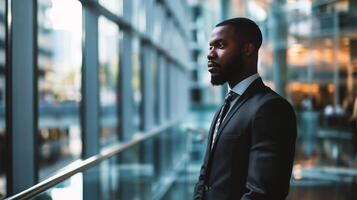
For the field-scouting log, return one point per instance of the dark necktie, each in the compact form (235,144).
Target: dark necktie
(224,109)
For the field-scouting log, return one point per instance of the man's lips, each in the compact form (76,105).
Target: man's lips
(213,67)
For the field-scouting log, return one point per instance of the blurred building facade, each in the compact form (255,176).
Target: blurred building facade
(78,78)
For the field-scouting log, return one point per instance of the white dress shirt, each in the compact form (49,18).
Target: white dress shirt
(240,88)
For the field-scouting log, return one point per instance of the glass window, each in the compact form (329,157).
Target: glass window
(2,101)
(59,83)
(115,6)
(168,82)
(158,22)
(155,86)
(136,84)
(108,77)
(71,188)
(139,14)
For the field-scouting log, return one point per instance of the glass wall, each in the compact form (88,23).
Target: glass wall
(109,37)
(139,14)
(155,86)
(136,84)
(149,178)
(93,88)
(132,179)
(158,21)
(71,188)
(2,100)
(168,87)
(59,83)
(114,6)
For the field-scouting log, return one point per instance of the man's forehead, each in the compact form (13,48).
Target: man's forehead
(221,32)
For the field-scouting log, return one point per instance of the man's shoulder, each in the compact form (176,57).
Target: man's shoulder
(267,96)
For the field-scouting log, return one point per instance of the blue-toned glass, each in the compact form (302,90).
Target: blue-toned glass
(109,37)
(59,83)
(158,23)
(139,20)
(154,62)
(136,85)
(72,188)
(114,6)
(161,172)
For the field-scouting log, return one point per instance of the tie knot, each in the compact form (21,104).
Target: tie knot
(230,96)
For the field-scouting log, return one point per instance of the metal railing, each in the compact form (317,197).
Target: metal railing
(81,165)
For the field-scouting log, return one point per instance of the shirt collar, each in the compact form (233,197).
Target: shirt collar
(242,86)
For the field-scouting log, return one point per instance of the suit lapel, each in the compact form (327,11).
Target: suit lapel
(242,99)
(234,109)
(210,136)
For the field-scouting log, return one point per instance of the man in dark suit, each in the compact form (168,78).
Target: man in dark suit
(251,143)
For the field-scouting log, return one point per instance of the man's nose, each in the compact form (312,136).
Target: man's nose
(211,54)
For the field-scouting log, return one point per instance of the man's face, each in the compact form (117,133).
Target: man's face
(224,57)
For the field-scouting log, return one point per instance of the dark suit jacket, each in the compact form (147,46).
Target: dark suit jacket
(253,154)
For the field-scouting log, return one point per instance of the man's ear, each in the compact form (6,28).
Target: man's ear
(248,49)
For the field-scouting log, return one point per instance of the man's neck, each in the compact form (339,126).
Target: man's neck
(232,83)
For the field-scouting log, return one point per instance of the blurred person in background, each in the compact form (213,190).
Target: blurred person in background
(251,141)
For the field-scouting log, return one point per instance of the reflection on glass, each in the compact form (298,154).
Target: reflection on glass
(115,6)
(126,177)
(155,86)
(2,101)
(136,84)
(139,15)
(158,16)
(59,83)
(108,78)
(71,188)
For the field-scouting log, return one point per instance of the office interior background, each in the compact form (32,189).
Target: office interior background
(111,99)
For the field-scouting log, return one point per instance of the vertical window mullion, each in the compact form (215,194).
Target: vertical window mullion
(22,120)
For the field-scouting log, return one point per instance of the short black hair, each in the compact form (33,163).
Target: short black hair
(248,28)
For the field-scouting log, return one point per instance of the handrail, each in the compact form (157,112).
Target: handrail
(81,165)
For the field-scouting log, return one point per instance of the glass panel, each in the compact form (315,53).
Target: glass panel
(167,88)
(162,174)
(155,85)
(115,6)
(139,14)
(136,84)
(108,78)
(158,23)
(2,101)
(59,83)
(71,188)
(148,170)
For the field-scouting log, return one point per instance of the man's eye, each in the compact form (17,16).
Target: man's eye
(221,45)
(210,47)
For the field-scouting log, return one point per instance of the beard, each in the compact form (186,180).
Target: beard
(218,79)
(229,71)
